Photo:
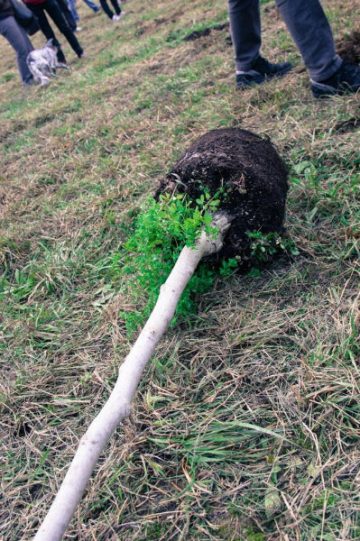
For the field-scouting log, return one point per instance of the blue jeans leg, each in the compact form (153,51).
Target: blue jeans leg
(92,5)
(73,10)
(19,40)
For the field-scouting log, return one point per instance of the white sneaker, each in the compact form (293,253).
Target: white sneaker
(118,17)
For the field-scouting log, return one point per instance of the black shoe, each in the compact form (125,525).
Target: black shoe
(261,70)
(345,80)
(29,82)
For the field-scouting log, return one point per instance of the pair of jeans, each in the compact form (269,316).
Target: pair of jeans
(52,9)
(108,11)
(19,40)
(92,5)
(72,8)
(66,11)
(307,24)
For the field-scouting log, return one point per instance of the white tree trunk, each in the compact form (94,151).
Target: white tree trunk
(117,407)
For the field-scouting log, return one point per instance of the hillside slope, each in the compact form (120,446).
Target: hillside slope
(246,425)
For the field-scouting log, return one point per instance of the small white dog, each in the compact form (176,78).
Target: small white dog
(43,63)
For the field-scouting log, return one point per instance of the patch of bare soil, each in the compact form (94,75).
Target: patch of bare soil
(205,32)
(166,20)
(348,47)
(348,125)
(250,172)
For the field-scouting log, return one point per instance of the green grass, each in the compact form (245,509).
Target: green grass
(245,427)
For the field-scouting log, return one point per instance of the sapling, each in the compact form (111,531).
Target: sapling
(117,407)
(250,174)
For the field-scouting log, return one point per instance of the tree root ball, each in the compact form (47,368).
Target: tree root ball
(348,47)
(251,174)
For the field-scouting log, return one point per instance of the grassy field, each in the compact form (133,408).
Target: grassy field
(246,425)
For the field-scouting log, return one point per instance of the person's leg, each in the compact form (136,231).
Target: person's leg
(64,8)
(106,9)
(311,32)
(92,6)
(46,29)
(73,10)
(53,10)
(116,6)
(19,40)
(245,30)
(245,25)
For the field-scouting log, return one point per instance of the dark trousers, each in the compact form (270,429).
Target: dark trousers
(67,14)
(18,39)
(307,24)
(108,11)
(52,9)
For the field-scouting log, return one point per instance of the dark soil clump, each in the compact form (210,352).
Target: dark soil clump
(250,172)
(351,124)
(197,34)
(349,47)
(205,32)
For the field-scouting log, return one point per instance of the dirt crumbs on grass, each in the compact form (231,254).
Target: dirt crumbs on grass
(348,47)
(351,124)
(249,172)
(205,32)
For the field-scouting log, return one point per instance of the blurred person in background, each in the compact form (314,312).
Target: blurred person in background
(95,8)
(18,39)
(41,8)
(113,16)
(70,16)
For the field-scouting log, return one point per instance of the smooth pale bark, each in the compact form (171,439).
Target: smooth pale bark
(117,406)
